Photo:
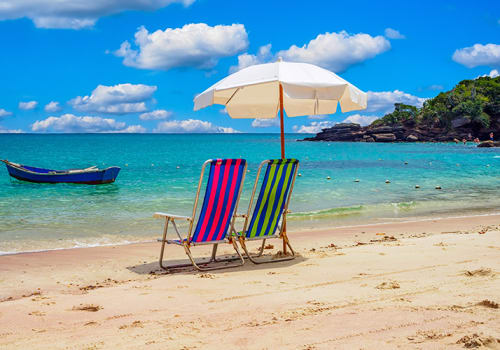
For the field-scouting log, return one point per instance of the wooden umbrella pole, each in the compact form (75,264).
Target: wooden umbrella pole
(282,124)
(282,155)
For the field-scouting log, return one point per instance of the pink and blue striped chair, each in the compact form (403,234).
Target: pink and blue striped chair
(216,218)
(269,214)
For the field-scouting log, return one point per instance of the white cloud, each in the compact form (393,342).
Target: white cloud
(493,74)
(132,129)
(362,120)
(334,51)
(265,123)
(10,131)
(75,14)
(191,126)
(52,106)
(28,105)
(117,99)
(157,114)
(393,34)
(246,60)
(383,101)
(313,127)
(478,55)
(4,113)
(337,51)
(70,123)
(194,45)
(316,127)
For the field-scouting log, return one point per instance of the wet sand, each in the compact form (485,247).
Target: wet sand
(422,284)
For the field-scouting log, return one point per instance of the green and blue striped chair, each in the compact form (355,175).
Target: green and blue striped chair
(270,208)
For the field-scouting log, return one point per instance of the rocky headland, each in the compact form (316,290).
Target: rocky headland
(470,111)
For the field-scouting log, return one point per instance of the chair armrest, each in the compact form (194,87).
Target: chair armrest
(159,215)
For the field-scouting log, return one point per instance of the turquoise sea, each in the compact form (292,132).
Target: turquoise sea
(160,173)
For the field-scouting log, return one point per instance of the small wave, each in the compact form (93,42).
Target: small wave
(341,211)
(496,157)
(77,245)
(405,205)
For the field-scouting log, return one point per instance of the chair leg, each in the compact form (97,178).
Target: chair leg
(252,258)
(211,268)
(261,250)
(214,252)
(287,241)
(162,250)
(163,241)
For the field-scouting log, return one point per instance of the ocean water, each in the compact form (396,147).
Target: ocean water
(160,173)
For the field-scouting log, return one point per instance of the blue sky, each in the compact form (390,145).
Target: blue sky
(135,66)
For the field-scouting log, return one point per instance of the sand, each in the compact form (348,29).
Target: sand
(422,284)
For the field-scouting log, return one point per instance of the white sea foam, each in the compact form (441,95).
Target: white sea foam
(77,246)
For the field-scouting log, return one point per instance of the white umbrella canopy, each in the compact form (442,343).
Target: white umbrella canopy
(260,91)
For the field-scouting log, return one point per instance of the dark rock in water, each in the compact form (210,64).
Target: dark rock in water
(340,132)
(412,138)
(489,144)
(384,137)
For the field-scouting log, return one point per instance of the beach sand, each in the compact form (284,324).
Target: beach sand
(422,284)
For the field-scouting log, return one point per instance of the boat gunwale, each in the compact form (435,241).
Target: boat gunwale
(65,172)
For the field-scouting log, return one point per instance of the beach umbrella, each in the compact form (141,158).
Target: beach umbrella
(260,91)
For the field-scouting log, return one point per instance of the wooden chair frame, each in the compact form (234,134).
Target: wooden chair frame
(281,227)
(187,243)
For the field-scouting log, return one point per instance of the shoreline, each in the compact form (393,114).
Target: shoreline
(292,232)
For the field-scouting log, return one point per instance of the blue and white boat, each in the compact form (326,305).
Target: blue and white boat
(89,176)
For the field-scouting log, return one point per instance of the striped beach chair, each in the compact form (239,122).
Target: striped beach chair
(216,216)
(271,206)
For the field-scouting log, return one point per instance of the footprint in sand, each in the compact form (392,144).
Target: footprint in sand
(422,336)
(37,313)
(482,272)
(87,307)
(478,340)
(488,303)
(388,285)
(135,324)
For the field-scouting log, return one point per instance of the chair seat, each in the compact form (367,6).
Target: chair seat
(240,233)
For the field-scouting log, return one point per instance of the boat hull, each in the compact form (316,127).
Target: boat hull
(91,177)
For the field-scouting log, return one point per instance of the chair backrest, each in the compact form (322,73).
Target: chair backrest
(221,199)
(273,197)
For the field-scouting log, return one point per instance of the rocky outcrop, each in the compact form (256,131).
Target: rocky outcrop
(489,144)
(408,132)
(469,111)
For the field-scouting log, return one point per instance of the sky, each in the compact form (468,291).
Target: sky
(136,65)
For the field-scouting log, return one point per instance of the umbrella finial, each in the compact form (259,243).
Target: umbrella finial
(280,59)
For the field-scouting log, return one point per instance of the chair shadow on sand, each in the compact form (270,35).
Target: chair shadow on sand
(153,268)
